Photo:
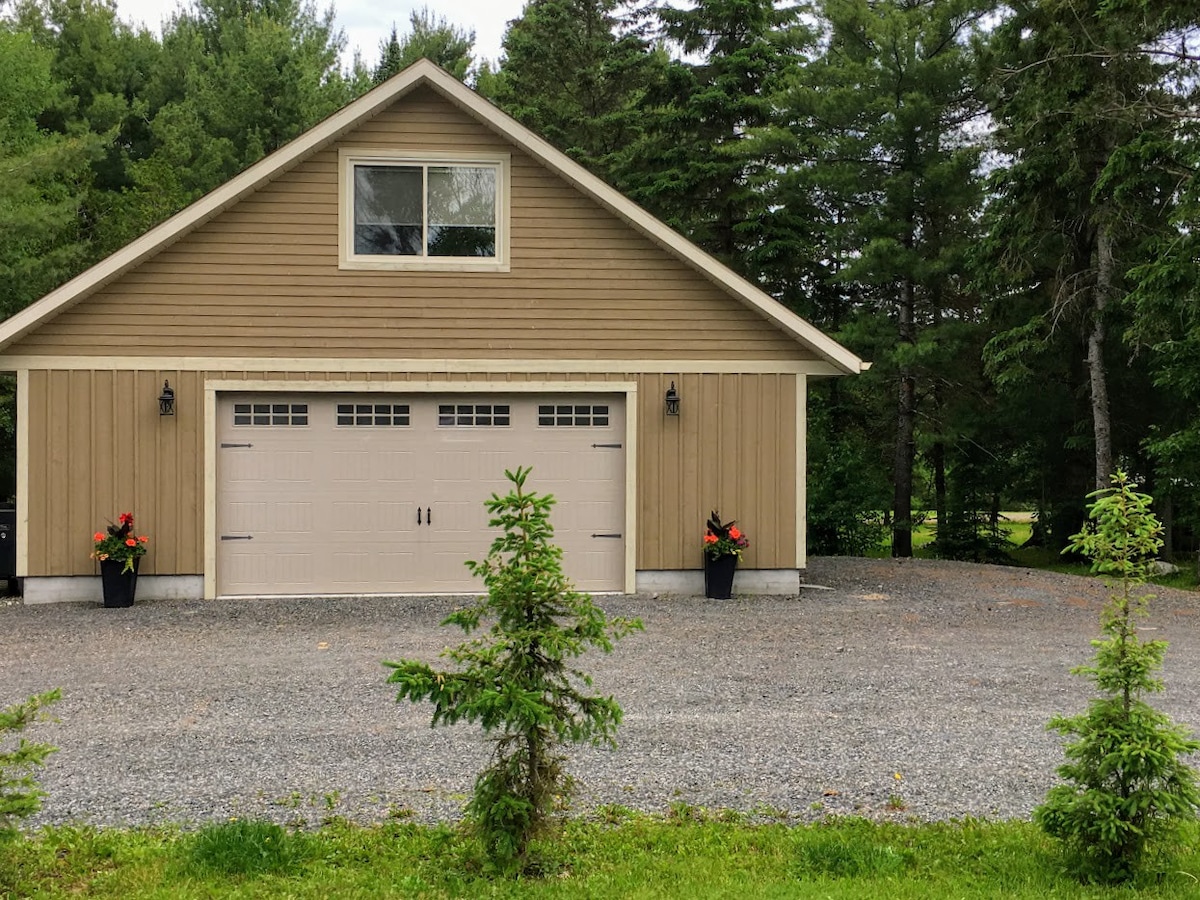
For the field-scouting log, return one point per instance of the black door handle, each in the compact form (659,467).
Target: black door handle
(418,515)
(429,515)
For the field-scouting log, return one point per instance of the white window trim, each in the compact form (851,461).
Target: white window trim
(348,158)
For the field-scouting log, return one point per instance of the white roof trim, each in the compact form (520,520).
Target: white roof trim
(367,106)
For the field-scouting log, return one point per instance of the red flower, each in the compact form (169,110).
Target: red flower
(130,542)
(125,518)
(735,533)
(98,536)
(710,538)
(142,539)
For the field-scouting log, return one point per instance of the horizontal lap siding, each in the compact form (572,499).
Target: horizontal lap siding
(262,279)
(99,448)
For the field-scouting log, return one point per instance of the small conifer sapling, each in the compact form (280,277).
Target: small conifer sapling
(516,680)
(20,795)
(1127,788)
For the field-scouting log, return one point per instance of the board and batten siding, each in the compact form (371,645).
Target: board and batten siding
(262,279)
(97,447)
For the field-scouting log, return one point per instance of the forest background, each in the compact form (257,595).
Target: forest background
(995,203)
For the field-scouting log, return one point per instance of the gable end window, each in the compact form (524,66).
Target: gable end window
(409,213)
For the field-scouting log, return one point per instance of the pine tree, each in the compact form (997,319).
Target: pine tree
(429,37)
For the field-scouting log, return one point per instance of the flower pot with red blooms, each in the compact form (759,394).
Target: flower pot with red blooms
(723,546)
(118,550)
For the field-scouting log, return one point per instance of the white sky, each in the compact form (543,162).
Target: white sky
(367,23)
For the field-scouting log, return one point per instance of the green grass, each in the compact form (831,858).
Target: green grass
(1017,533)
(695,856)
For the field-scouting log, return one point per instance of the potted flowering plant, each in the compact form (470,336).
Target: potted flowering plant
(723,546)
(118,550)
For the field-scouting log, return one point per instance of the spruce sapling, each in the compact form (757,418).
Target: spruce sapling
(1127,787)
(515,680)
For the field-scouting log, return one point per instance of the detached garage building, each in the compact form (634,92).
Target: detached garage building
(364,330)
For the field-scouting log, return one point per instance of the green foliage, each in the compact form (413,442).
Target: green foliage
(836,854)
(515,681)
(576,73)
(847,478)
(639,856)
(692,163)
(429,37)
(19,793)
(1127,785)
(247,847)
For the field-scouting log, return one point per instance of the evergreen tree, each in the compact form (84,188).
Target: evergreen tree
(1127,785)
(517,680)
(429,37)
(692,166)
(881,120)
(575,72)
(1078,102)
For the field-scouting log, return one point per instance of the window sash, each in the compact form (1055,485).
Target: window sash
(457,208)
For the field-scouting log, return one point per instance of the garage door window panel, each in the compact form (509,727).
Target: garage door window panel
(474,415)
(572,415)
(374,414)
(270,414)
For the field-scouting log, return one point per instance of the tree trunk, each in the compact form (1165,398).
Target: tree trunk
(938,451)
(902,474)
(1101,421)
(938,459)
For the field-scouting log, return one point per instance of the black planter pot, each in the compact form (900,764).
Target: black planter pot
(119,586)
(718,576)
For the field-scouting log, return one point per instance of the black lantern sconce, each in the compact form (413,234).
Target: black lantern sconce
(671,399)
(166,400)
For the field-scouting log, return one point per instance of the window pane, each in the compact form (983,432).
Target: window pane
(462,195)
(462,211)
(445,240)
(387,210)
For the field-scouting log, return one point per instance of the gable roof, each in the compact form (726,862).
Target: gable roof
(364,108)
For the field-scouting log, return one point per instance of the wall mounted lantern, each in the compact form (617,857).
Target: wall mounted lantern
(671,399)
(166,400)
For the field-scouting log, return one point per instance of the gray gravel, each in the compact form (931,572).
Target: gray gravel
(941,673)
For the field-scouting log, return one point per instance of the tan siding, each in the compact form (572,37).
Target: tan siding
(262,279)
(98,448)
(732,449)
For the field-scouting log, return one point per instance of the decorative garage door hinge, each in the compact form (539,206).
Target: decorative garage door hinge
(617,535)
(237,537)
(606,446)
(227,446)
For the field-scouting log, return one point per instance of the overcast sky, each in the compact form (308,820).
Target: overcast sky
(366,23)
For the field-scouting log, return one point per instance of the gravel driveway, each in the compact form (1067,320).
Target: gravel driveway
(942,673)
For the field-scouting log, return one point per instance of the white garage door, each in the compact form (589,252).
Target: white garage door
(382,494)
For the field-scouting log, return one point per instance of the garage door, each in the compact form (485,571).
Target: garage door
(382,494)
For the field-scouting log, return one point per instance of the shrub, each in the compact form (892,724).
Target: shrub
(1127,786)
(19,793)
(515,681)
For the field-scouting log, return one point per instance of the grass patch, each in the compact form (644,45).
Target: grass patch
(619,855)
(1017,531)
(244,847)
